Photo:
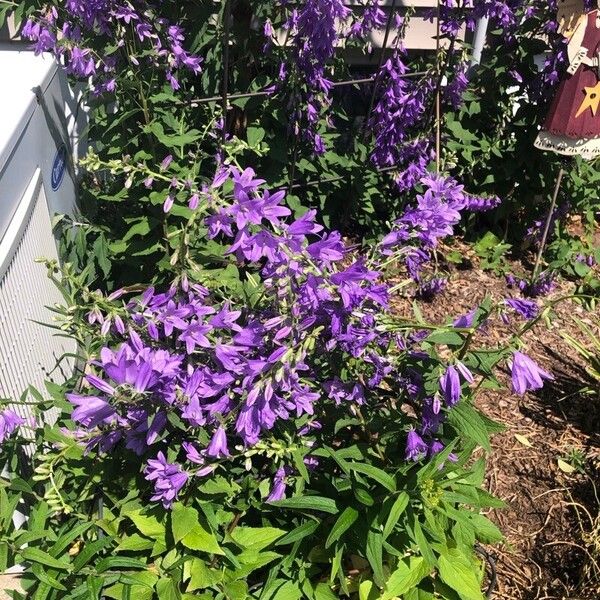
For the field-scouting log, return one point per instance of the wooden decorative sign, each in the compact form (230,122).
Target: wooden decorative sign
(568,15)
(572,126)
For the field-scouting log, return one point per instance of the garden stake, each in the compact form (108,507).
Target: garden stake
(538,258)
(226,28)
(438,109)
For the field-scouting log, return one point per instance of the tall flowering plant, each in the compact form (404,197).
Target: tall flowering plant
(292,439)
(250,419)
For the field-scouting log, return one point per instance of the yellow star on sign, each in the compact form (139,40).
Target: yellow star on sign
(591,100)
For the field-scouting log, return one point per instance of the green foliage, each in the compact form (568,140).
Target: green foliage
(365,523)
(416,537)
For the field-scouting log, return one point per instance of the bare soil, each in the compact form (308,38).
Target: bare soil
(552,519)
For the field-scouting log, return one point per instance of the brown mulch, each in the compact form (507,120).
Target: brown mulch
(552,519)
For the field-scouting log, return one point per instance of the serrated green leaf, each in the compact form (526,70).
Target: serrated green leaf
(318,503)
(396,511)
(374,473)
(39,556)
(256,538)
(460,574)
(343,523)
(405,577)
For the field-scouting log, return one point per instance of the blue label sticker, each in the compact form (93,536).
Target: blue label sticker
(59,166)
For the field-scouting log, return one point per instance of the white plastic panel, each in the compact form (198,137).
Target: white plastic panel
(29,351)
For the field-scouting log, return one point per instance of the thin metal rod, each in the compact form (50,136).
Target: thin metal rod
(380,64)
(332,179)
(438,101)
(226,29)
(256,94)
(538,258)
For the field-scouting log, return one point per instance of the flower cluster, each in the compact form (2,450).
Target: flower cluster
(454,14)
(237,374)
(73,32)
(210,379)
(542,285)
(437,212)
(400,108)
(316,27)
(528,309)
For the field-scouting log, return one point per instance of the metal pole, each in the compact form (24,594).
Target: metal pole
(226,29)
(438,94)
(479,38)
(538,258)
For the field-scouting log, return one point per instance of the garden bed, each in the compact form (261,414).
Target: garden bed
(548,552)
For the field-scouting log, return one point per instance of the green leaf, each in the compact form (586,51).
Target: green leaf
(119,562)
(405,577)
(166,589)
(94,587)
(200,539)
(469,423)
(367,590)
(183,520)
(448,338)
(255,135)
(89,551)
(378,475)
(201,576)
(148,525)
(319,503)
(363,496)
(101,255)
(66,538)
(298,458)
(324,592)
(236,590)
(396,511)
(188,530)
(374,555)
(460,574)
(135,543)
(288,591)
(141,226)
(39,556)
(423,544)
(343,523)
(485,530)
(255,538)
(46,578)
(299,533)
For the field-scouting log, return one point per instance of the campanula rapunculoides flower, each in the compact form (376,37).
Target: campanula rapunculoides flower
(90,411)
(526,374)
(464,371)
(416,448)
(9,421)
(218,445)
(526,308)
(168,479)
(465,321)
(279,484)
(236,375)
(450,385)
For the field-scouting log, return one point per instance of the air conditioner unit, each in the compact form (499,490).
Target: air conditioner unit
(39,129)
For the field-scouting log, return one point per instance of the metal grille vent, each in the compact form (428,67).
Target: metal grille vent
(29,351)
